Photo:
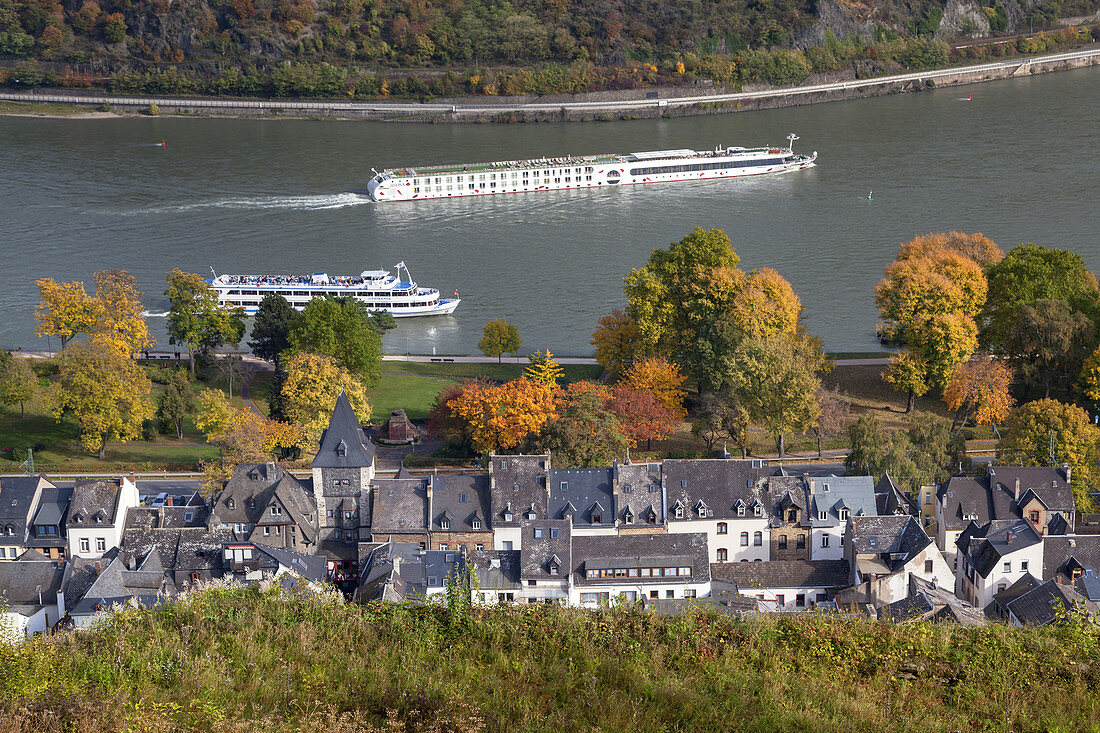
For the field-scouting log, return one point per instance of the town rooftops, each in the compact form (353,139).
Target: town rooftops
(344,444)
(400,505)
(546,551)
(1070,558)
(519,487)
(463,501)
(584,494)
(834,497)
(632,552)
(783,573)
(1000,493)
(23,581)
(17,499)
(94,501)
(984,546)
(714,486)
(1039,604)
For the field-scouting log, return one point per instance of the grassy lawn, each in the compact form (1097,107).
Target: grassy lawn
(867,392)
(412,394)
(497,372)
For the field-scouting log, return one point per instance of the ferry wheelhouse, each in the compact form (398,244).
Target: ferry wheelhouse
(588,171)
(375,289)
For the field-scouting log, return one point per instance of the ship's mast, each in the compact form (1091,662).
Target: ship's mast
(790,144)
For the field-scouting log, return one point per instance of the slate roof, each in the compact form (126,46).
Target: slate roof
(893,534)
(1062,554)
(639,487)
(179,549)
(496,569)
(52,511)
(344,435)
(993,496)
(92,497)
(400,505)
(1043,604)
(265,484)
(910,607)
(638,551)
(310,567)
(439,565)
(21,580)
(984,546)
(783,573)
(891,499)
(785,492)
(718,483)
(17,498)
(833,493)
(932,602)
(1051,485)
(518,483)
(116,584)
(536,553)
(1025,584)
(462,498)
(585,488)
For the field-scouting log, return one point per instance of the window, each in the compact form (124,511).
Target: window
(479,546)
(758,538)
(596,519)
(347,515)
(553,533)
(331,513)
(792,515)
(461,498)
(231,504)
(553,568)
(822,516)
(928,497)
(822,597)
(1023,566)
(1034,516)
(927,566)
(83,544)
(654,594)
(628,518)
(188,517)
(689,593)
(741,510)
(844,514)
(779,599)
(564,485)
(100,544)
(800,543)
(679,512)
(1008,567)
(825,540)
(723,554)
(670,593)
(267,531)
(723,528)
(276,510)
(444,546)
(800,600)
(476,524)
(744,539)
(783,542)
(538,533)
(446,524)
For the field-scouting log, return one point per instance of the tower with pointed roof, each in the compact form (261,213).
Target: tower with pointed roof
(342,470)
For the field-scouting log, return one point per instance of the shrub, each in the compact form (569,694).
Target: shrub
(154,110)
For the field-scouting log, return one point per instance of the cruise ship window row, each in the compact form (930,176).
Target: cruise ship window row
(658,169)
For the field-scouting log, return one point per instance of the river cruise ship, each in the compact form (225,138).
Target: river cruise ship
(588,171)
(375,289)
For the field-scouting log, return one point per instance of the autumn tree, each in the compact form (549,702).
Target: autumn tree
(64,310)
(544,369)
(722,416)
(442,423)
(313,383)
(642,415)
(583,433)
(196,320)
(502,416)
(18,382)
(908,373)
(1048,432)
(980,389)
(834,415)
(976,247)
(776,379)
(337,327)
(242,435)
(1089,380)
(105,392)
(499,338)
(927,451)
(617,341)
(661,378)
(118,316)
(270,335)
(176,402)
(231,368)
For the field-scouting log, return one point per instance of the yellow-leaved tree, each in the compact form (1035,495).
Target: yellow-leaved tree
(502,416)
(118,320)
(617,341)
(544,369)
(105,392)
(241,434)
(64,310)
(313,382)
(980,389)
(661,378)
(767,305)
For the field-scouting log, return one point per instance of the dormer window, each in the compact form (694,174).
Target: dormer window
(553,568)
(564,485)
(823,516)
(98,519)
(341,448)
(652,517)
(757,510)
(251,503)
(597,519)
(276,510)
(538,533)
(825,487)
(844,514)
(444,523)
(740,510)
(476,524)
(231,504)
(679,512)
(792,515)
(461,498)
(628,518)
(9,530)
(507,516)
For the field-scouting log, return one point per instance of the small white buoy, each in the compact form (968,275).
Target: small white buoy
(869,195)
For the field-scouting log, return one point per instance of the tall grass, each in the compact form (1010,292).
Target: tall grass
(230,659)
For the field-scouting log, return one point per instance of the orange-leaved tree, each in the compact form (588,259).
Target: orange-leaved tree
(980,389)
(661,378)
(642,414)
(502,416)
(617,341)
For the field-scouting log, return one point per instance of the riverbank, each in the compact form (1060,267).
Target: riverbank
(676,102)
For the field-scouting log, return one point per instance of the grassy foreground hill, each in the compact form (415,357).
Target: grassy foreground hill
(246,659)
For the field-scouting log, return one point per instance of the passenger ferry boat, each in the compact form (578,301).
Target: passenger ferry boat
(375,289)
(588,171)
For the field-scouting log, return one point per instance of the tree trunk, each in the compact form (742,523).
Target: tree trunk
(22,411)
(744,451)
(912,402)
(103,448)
(179,428)
(649,443)
(781,444)
(819,453)
(191,359)
(500,357)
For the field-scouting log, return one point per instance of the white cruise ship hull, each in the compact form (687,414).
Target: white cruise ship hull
(443,308)
(574,173)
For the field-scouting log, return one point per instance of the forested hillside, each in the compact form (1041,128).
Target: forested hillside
(441,47)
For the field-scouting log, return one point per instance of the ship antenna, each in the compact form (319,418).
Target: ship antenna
(792,137)
(213,273)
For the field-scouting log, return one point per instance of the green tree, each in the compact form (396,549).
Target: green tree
(106,393)
(18,382)
(381,321)
(338,328)
(499,338)
(1049,433)
(926,452)
(584,433)
(834,416)
(275,319)
(908,373)
(195,319)
(1048,343)
(176,402)
(616,340)
(776,378)
(722,416)
(1029,273)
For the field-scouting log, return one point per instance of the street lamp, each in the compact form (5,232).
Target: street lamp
(406,348)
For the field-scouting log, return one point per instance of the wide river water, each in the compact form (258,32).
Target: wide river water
(1018,162)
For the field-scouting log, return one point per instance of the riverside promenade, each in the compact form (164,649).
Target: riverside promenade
(738,101)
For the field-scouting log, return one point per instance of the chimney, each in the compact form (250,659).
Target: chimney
(1067,471)
(1017,488)
(1009,536)
(132,478)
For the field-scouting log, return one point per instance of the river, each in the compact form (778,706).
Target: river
(1017,162)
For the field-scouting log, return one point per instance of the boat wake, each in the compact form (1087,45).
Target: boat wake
(320,202)
(155,314)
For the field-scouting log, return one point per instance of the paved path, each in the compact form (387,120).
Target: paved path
(401,108)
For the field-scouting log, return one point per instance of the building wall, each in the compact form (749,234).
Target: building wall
(731,541)
(110,535)
(835,550)
(982,589)
(507,534)
(641,592)
(785,599)
(469,540)
(792,551)
(16,627)
(926,502)
(330,496)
